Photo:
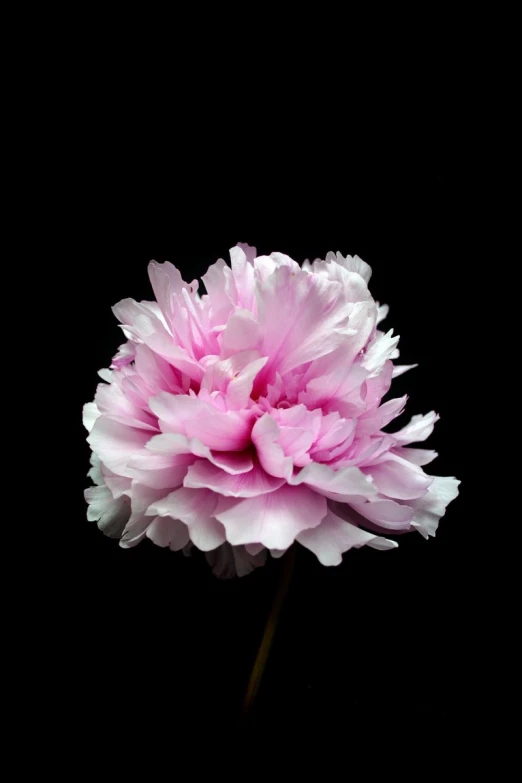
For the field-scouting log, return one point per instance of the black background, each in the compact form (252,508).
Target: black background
(376,651)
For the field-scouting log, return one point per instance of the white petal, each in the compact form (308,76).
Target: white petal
(165,531)
(111,514)
(95,473)
(419,428)
(382,312)
(399,369)
(429,509)
(90,414)
(334,536)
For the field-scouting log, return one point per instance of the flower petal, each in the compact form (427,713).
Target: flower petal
(111,514)
(334,536)
(228,561)
(115,443)
(202,474)
(419,428)
(242,333)
(136,527)
(170,444)
(165,531)
(386,513)
(95,473)
(429,509)
(417,456)
(317,314)
(195,508)
(90,414)
(398,478)
(340,484)
(222,431)
(400,369)
(265,435)
(273,519)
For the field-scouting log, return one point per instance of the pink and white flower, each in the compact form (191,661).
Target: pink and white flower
(250,417)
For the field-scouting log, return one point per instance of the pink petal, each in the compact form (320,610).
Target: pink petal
(170,444)
(138,319)
(112,402)
(386,513)
(265,435)
(222,293)
(316,315)
(116,443)
(159,373)
(242,333)
(340,484)
(178,357)
(167,477)
(166,281)
(189,416)
(343,384)
(189,505)
(240,387)
(242,485)
(398,478)
(334,431)
(118,485)
(234,376)
(274,519)
(243,273)
(377,419)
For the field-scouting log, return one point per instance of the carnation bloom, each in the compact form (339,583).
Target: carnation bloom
(248,418)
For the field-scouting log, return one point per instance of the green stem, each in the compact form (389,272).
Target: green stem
(268,635)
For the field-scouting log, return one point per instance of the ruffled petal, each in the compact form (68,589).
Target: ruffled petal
(428,510)
(195,508)
(116,443)
(223,431)
(334,536)
(340,484)
(241,485)
(111,514)
(265,437)
(273,519)
(229,561)
(399,479)
(165,531)
(419,428)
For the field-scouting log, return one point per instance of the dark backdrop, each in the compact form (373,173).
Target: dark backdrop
(378,648)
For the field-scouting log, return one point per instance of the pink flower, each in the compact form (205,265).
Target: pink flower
(250,417)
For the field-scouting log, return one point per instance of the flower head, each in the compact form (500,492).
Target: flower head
(250,417)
